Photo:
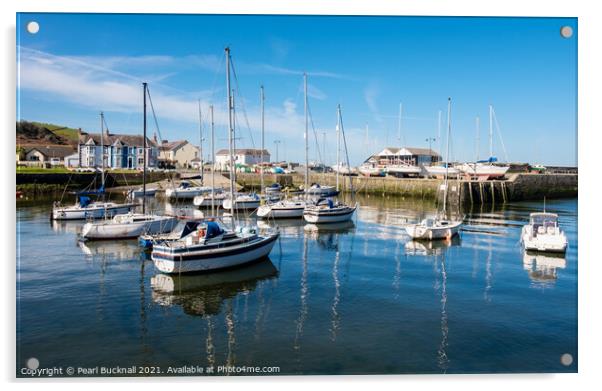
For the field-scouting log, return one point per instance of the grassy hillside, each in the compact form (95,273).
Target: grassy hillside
(61,131)
(43,133)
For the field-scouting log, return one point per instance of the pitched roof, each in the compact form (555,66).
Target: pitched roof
(422,151)
(170,146)
(244,151)
(126,139)
(414,151)
(50,151)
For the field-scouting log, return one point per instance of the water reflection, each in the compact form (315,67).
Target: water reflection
(542,268)
(66,226)
(326,235)
(442,358)
(203,294)
(431,247)
(118,250)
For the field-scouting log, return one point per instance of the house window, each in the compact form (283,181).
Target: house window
(140,161)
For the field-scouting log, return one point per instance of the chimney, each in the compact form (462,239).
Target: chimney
(79,132)
(155,137)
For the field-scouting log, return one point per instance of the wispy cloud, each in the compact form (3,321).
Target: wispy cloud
(371,93)
(95,82)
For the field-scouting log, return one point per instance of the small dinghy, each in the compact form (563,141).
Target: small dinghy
(543,234)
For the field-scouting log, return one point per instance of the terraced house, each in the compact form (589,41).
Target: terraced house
(120,150)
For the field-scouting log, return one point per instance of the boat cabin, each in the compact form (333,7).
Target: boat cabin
(544,222)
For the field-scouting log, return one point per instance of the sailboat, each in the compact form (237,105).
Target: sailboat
(84,208)
(327,210)
(131,225)
(288,208)
(439,227)
(485,169)
(440,169)
(211,246)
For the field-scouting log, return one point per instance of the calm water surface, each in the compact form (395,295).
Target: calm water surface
(360,298)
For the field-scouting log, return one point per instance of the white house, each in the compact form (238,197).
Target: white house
(246,157)
(120,151)
(54,155)
(408,155)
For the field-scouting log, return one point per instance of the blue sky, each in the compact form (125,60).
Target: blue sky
(80,64)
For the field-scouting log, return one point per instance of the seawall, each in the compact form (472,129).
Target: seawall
(36,183)
(516,187)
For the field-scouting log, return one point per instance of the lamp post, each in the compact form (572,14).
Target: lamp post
(276,142)
(430,140)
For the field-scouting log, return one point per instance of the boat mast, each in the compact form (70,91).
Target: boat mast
(230,130)
(213,162)
(447,155)
(306,135)
(439,131)
(102,151)
(338,143)
(490,131)
(399,126)
(262,99)
(144,88)
(478,136)
(201,143)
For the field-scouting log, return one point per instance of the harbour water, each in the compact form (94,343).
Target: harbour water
(360,298)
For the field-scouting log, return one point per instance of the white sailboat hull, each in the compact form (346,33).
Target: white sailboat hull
(281,211)
(324,216)
(403,170)
(421,232)
(483,171)
(370,171)
(92,211)
(438,171)
(207,201)
(188,193)
(140,193)
(241,205)
(128,229)
(212,259)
